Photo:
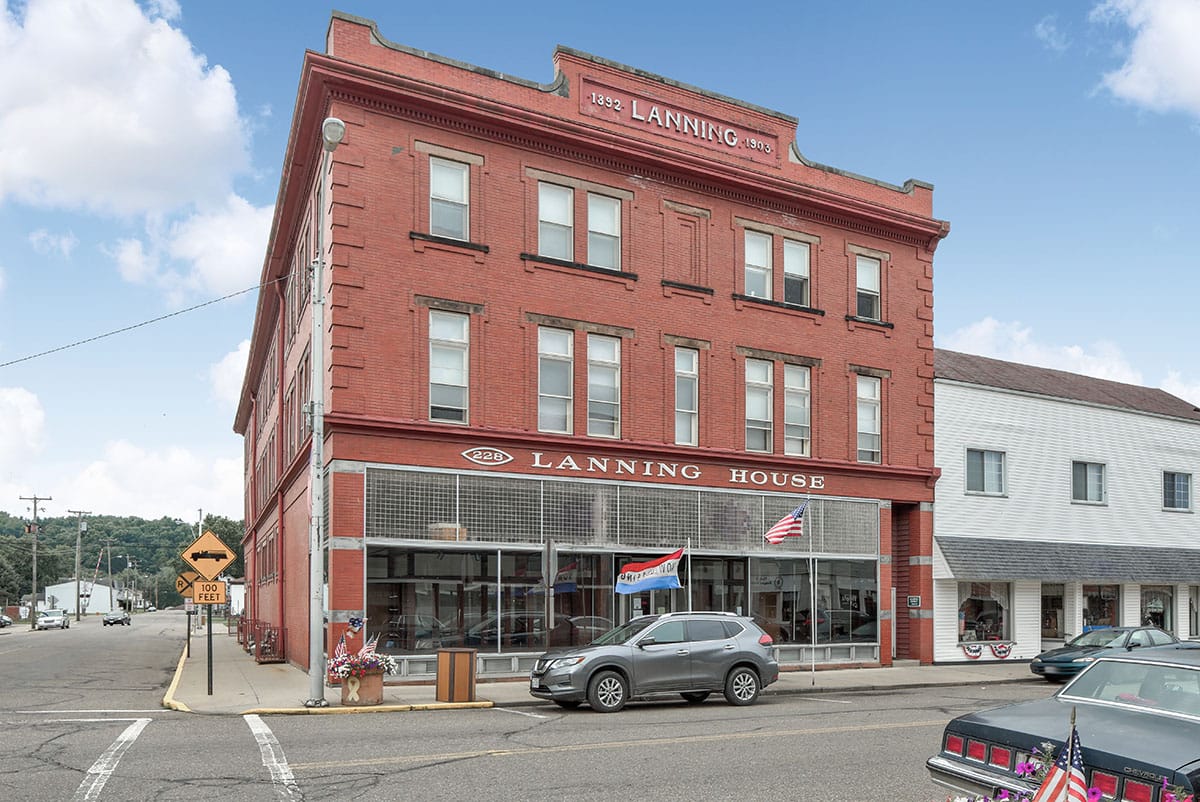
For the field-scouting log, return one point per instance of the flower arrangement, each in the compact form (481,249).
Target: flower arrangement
(366,660)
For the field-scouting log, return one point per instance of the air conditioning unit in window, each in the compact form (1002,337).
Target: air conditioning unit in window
(447,531)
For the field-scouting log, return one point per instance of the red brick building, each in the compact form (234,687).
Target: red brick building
(577,324)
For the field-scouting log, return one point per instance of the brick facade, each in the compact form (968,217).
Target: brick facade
(693,173)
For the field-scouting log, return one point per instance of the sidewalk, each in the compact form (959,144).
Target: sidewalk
(240,685)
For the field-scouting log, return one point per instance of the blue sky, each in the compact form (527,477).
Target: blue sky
(141,146)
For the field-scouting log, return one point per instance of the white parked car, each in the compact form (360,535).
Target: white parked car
(54,619)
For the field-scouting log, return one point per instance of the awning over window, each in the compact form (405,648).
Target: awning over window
(987,559)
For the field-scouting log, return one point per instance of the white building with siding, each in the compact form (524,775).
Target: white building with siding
(1064,502)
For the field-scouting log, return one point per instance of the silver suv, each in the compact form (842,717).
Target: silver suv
(691,654)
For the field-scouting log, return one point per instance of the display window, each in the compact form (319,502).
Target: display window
(983,611)
(1101,605)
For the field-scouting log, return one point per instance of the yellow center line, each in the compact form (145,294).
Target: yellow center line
(544,750)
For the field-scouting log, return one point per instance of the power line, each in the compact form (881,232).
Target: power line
(143,323)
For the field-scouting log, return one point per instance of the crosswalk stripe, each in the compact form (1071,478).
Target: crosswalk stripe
(273,758)
(106,764)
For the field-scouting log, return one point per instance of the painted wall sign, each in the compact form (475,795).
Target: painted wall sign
(616,468)
(664,119)
(487,456)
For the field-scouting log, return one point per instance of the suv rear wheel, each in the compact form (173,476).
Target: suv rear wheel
(741,686)
(608,692)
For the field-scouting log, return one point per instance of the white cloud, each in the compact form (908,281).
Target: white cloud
(1014,342)
(45,243)
(226,376)
(224,246)
(104,106)
(1176,385)
(1046,31)
(1162,64)
(21,434)
(152,483)
(134,264)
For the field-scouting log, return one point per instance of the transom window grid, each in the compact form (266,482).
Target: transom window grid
(449,199)
(425,505)
(760,403)
(985,471)
(758,264)
(449,358)
(870,432)
(556,375)
(797,412)
(556,226)
(604,386)
(1177,490)
(796,272)
(868,270)
(687,396)
(604,231)
(1088,482)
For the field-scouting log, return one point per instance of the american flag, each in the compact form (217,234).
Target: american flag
(340,649)
(368,647)
(1065,781)
(790,525)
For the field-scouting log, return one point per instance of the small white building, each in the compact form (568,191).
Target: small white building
(94,598)
(1065,502)
(237,595)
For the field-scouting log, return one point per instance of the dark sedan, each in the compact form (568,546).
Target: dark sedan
(1066,661)
(1138,716)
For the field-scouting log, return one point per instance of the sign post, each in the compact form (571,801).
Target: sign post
(209,556)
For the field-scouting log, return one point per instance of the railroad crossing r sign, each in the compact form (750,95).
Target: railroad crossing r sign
(184,581)
(208,555)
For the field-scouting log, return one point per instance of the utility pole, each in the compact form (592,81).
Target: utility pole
(78,543)
(33,530)
(108,541)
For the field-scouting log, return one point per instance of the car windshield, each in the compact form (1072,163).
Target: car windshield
(1100,637)
(1151,686)
(624,632)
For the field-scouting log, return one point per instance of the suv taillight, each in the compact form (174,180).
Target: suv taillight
(765,640)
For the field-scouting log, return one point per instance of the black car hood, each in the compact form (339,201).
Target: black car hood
(1065,654)
(1112,738)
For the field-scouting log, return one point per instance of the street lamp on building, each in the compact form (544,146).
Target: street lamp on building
(333,131)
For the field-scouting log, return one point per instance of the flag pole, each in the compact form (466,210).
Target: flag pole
(689,585)
(812,617)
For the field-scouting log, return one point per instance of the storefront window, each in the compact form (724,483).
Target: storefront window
(1052,611)
(583,595)
(983,611)
(847,608)
(1100,605)
(850,587)
(718,584)
(780,598)
(1158,606)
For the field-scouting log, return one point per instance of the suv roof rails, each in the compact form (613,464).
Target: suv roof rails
(702,612)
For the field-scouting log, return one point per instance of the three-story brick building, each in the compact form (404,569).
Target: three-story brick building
(578,324)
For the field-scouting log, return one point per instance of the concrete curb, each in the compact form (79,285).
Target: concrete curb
(169,699)
(336,711)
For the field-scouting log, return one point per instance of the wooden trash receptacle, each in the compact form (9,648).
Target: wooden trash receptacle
(456,675)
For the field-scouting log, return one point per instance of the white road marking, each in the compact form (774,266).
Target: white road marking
(86,720)
(103,768)
(519,712)
(273,758)
(94,712)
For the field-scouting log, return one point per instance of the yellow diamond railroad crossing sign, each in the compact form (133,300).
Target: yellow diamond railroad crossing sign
(184,581)
(208,555)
